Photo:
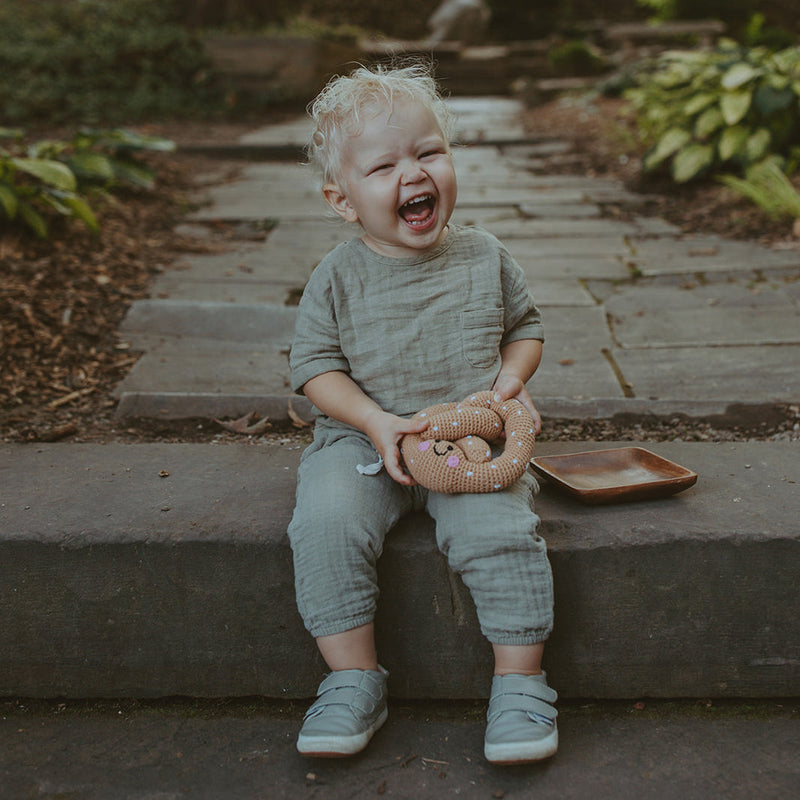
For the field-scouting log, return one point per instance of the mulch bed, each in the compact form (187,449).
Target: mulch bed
(62,300)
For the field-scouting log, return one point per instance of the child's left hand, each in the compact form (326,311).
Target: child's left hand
(507,387)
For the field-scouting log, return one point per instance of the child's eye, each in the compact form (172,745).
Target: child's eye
(431,153)
(380,168)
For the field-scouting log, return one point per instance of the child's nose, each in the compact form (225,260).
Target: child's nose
(412,172)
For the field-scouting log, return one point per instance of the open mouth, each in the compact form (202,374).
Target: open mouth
(419,210)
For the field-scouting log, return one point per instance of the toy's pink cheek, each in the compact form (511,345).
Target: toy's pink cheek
(453,461)
(423,446)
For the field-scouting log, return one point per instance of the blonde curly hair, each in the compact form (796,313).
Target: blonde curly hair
(337,111)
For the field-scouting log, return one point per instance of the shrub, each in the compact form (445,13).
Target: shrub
(57,176)
(729,108)
(95,62)
(576,57)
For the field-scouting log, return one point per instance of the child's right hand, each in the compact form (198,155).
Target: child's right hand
(385,431)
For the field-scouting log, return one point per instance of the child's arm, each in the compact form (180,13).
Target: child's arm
(520,359)
(340,397)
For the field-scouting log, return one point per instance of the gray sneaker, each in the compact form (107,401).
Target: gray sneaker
(521,720)
(350,707)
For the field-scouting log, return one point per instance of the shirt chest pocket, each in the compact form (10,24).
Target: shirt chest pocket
(481,332)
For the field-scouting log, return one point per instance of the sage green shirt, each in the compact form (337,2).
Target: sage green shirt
(414,331)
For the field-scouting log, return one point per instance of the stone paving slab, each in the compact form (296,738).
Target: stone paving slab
(265,192)
(573,268)
(477,119)
(171,287)
(772,374)
(576,211)
(611,246)
(511,225)
(574,367)
(274,404)
(698,254)
(721,314)
(554,292)
(256,323)
(189,366)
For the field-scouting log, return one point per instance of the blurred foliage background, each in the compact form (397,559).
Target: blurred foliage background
(112,61)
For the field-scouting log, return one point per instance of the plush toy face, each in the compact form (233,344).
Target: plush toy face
(452,454)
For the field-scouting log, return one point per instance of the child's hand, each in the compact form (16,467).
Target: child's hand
(507,387)
(385,431)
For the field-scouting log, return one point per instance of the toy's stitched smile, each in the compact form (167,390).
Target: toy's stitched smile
(447,449)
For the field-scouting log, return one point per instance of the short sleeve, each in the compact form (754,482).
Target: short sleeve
(523,320)
(316,347)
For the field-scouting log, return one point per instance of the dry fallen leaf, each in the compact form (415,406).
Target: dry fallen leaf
(245,424)
(297,420)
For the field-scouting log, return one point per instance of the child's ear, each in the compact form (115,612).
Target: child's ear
(338,201)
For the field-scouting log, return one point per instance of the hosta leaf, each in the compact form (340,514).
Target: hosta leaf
(53,199)
(133,174)
(768,101)
(708,122)
(669,143)
(732,141)
(757,145)
(52,173)
(33,219)
(689,162)
(48,149)
(734,105)
(122,139)
(738,75)
(8,201)
(778,82)
(674,76)
(698,102)
(81,210)
(91,166)
(788,60)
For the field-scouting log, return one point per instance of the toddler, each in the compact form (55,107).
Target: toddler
(414,311)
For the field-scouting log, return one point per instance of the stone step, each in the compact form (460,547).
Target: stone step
(161,569)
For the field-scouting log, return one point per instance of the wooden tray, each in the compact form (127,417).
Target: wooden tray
(617,475)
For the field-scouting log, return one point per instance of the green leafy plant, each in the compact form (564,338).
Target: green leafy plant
(55,176)
(729,108)
(576,57)
(768,186)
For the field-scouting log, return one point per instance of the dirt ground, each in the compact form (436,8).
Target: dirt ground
(62,300)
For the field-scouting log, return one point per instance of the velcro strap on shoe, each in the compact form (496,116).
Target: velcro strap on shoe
(369,682)
(349,696)
(522,684)
(360,690)
(521,702)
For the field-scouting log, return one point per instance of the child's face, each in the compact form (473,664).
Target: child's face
(397,180)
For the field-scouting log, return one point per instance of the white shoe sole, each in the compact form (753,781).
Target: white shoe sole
(522,752)
(338,746)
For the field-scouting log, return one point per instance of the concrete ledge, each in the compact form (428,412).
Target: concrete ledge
(153,570)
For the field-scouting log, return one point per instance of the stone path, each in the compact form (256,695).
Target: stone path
(638,317)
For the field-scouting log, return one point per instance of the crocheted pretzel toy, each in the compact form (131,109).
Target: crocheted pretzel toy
(452,455)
